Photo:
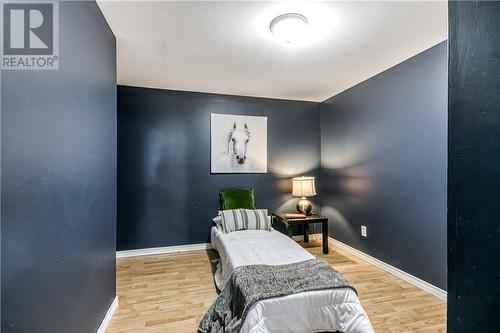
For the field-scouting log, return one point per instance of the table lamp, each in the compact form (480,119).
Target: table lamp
(303,187)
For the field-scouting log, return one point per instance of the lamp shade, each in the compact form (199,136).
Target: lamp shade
(303,187)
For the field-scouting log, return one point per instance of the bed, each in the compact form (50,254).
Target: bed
(329,310)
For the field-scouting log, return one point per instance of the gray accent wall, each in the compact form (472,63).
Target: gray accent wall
(58,193)
(166,193)
(383,165)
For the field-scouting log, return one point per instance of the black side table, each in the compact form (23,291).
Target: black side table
(280,217)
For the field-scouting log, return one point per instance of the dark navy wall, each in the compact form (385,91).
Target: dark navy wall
(474,167)
(166,194)
(383,162)
(59,183)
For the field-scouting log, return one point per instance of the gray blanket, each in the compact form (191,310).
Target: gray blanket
(249,284)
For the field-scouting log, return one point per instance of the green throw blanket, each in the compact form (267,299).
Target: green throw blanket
(249,284)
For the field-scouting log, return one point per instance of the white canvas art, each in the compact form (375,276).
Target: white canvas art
(238,144)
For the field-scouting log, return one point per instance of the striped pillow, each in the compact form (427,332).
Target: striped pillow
(244,219)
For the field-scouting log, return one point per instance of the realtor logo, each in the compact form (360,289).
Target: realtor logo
(30,35)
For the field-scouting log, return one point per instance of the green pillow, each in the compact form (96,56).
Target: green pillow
(235,198)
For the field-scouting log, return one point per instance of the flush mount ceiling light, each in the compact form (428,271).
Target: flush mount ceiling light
(289,27)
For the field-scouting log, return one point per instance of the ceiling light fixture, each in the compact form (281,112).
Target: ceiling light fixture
(289,27)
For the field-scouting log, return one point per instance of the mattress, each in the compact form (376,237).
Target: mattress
(314,311)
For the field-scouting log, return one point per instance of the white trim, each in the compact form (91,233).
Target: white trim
(107,318)
(431,289)
(162,250)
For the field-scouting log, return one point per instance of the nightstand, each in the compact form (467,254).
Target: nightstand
(305,221)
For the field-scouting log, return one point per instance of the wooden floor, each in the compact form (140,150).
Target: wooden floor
(171,292)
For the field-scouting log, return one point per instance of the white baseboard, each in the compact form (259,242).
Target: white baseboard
(162,250)
(109,314)
(426,286)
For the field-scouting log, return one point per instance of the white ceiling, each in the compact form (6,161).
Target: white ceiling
(226,47)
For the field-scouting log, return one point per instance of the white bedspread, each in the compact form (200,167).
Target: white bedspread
(314,311)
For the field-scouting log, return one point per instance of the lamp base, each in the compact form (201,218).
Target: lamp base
(304,206)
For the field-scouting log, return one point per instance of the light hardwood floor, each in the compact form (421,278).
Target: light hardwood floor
(171,292)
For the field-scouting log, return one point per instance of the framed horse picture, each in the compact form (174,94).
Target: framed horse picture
(238,143)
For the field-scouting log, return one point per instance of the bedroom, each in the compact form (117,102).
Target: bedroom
(149,152)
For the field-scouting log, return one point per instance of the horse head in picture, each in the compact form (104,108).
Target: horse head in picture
(237,140)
